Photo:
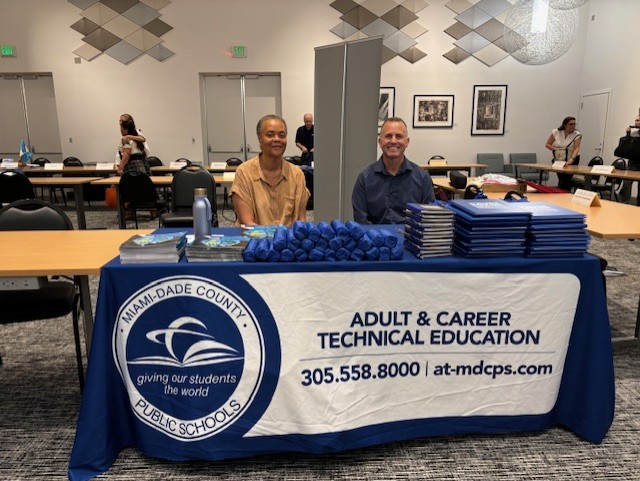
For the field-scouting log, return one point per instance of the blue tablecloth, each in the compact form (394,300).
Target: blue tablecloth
(215,361)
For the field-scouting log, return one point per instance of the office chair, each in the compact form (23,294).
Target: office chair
(231,162)
(526,173)
(154,162)
(137,192)
(184,182)
(14,185)
(48,299)
(495,164)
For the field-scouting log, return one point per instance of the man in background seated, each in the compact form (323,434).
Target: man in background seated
(629,148)
(304,139)
(268,190)
(384,188)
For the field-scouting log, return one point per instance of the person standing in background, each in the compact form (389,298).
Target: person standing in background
(304,139)
(629,148)
(564,143)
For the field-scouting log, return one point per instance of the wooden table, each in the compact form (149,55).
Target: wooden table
(86,170)
(77,183)
(632,175)
(80,253)
(158,180)
(449,167)
(166,169)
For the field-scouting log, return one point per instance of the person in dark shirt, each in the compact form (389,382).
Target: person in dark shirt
(383,189)
(629,148)
(304,139)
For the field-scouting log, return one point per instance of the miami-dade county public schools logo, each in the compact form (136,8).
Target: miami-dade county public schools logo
(191,354)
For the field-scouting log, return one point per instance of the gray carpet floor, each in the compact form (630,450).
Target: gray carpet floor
(39,402)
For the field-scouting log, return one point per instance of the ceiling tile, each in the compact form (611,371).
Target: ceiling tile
(494,7)
(344,6)
(358,35)
(82,4)
(344,30)
(143,40)
(490,55)
(85,26)
(379,27)
(121,27)
(160,53)
(459,6)
(414,30)
(399,42)
(458,30)
(158,27)
(456,55)
(101,39)
(359,17)
(157,5)
(413,54)
(123,52)
(87,52)
(141,14)
(414,6)
(119,6)
(379,7)
(492,30)
(473,17)
(500,43)
(387,54)
(99,13)
(472,42)
(399,17)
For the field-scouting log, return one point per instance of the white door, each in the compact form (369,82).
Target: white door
(594,112)
(233,104)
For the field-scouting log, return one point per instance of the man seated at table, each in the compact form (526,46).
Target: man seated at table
(267,190)
(384,188)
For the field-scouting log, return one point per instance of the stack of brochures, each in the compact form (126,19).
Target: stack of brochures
(153,248)
(428,230)
(216,248)
(489,228)
(554,231)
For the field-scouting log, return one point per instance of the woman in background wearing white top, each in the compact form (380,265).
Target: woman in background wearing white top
(564,142)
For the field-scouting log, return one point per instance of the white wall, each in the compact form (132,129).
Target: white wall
(280,36)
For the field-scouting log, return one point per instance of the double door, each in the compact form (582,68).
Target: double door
(232,106)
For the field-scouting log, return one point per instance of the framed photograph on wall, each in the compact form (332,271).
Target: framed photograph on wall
(387,104)
(489,109)
(432,111)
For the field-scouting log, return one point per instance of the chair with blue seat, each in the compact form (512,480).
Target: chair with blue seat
(526,173)
(495,164)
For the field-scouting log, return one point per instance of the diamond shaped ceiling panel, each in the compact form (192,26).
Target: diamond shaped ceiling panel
(344,6)
(473,17)
(87,52)
(387,54)
(459,6)
(414,30)
(379,7)
(143,40)
(121,27)
(492,30)
(99,13)
(124,52)
(160,53)
(494,7)
(458,30)
(414,6)
(399,17)
(399,42)
(157,5)
(85,26)
(82,4)
(472,42)
(119,6)
(359,17)
(456,55)
(343,30)
(490,55)
(158,27)
(413,54)
(101,39)
(379,27)
(141,14)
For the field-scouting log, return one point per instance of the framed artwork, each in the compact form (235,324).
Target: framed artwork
(386,104)
(432,111)
(489,109)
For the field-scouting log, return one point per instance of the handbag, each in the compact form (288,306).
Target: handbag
(111,197)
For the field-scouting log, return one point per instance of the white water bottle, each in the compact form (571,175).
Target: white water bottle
(201,213)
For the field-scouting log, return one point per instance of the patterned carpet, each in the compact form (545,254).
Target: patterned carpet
(39,401)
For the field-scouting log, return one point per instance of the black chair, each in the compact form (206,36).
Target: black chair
(137,192)
(308,178)
(231,162)
(49,298)
(184,182)
(14,185)
(40,161)
(154,162)
(72,162)
(580,181)
(182,159)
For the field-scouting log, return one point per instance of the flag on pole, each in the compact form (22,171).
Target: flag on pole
(25,155)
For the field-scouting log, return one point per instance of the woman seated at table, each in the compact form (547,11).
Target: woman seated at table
(268,190)
(564,143)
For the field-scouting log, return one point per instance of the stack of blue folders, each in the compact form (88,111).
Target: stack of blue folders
(489,228)
(554,231)
(428,230)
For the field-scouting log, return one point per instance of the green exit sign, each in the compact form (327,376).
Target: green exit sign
(8,50)
(238,51)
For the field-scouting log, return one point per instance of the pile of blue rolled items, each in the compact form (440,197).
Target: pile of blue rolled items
(325,241)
